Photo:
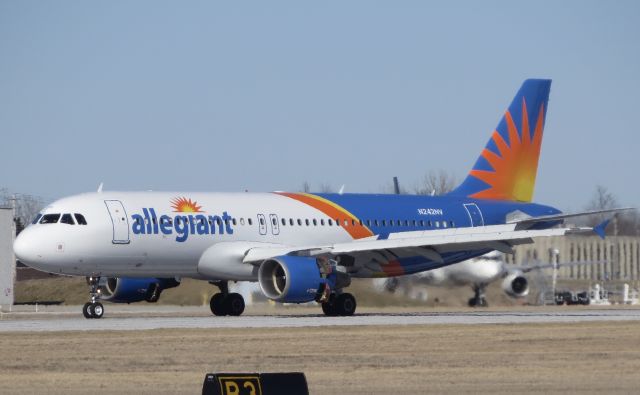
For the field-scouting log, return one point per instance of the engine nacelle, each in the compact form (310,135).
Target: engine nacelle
(294,279)
(515,285)
(224,261)
(130,290)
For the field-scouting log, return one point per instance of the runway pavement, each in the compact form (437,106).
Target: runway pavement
(67,320)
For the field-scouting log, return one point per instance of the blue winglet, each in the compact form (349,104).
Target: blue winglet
(601,227)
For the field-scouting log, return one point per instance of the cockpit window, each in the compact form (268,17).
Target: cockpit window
(67,219)
(36,219)
(80,219)
(50,218)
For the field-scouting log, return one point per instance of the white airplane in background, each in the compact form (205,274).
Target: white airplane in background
(300,247)
(477,273)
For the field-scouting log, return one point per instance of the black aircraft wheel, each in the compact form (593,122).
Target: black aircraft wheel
(217,305)
(97,309)
(473,302)
(234,304)
(328,309)
(345,304)
(86,310)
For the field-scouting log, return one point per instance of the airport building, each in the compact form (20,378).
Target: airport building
(620,256)
(7,260)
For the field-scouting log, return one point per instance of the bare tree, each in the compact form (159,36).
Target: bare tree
(26,206)
(623,223)
(326,188)
(436,183)
(306,187)
(602,199)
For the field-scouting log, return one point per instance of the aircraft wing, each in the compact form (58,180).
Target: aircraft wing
(524,220)
(429,244)
(527,269)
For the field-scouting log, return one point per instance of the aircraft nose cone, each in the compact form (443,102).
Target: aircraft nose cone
(23,248)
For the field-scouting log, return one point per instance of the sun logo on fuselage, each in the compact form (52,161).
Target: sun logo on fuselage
(184,205)
(515,164)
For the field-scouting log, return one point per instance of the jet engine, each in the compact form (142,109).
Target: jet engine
(130,290)
(293,279)
(515,285)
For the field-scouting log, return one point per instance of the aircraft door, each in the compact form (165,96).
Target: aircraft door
(262,224)
(119,220)
(475,215)
(275,227)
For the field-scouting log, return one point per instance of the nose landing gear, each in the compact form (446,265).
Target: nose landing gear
(93,309)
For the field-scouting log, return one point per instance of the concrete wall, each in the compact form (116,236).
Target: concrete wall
(7,260)
(621,256)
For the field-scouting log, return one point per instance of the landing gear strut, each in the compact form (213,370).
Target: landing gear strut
(343,304)
(93,309)
(225,303)
(478,299)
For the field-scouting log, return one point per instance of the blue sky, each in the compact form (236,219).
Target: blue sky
(262,96)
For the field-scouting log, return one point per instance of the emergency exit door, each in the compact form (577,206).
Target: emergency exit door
(475,215)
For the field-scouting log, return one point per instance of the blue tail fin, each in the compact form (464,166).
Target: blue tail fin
(507,167)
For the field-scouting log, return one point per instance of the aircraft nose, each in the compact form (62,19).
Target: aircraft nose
(24,248)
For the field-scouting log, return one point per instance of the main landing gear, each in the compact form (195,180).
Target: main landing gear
(93,309)
(478,299)
(343,304)
(225,303)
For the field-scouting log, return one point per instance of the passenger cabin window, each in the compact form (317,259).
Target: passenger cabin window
(67,219)
(50,218)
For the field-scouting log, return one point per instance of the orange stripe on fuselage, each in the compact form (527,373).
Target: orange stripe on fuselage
(333,211)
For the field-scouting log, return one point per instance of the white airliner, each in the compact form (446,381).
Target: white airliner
(476,273)
(299,247)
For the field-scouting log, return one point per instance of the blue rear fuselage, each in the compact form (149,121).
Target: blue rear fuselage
(384,214)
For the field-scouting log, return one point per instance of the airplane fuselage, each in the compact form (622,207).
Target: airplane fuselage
(165,234)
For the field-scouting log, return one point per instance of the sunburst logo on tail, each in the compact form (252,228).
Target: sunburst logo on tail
(516,162)
(184,205)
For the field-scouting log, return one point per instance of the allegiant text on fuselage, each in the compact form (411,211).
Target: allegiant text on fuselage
(184,225)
